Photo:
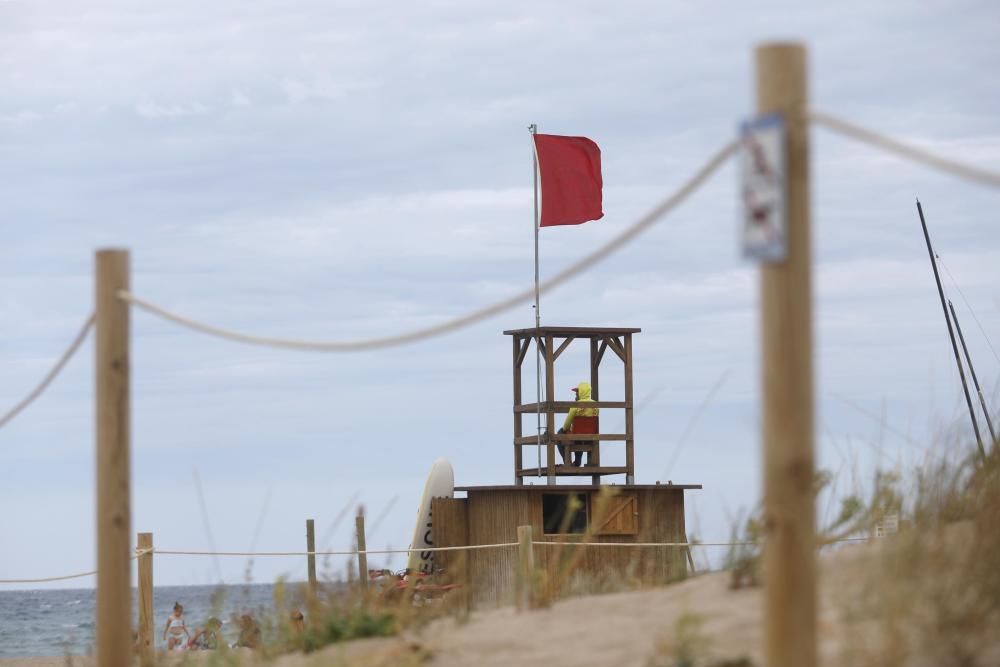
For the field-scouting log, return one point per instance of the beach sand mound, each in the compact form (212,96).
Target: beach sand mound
(645,628)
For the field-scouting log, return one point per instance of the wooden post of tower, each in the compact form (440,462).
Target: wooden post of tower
(145,543)
(787,383)
(114,519)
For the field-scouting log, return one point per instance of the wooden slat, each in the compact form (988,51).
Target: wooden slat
(600,352)
(563,346)
(616,347)
(450,529)
(550,417)
(515,490)
(602,437)
(566,406)
(594,458)
(629,412)
(541,346)
(563,470)
(519,353)
(579,332)
(570,437)
(619,516)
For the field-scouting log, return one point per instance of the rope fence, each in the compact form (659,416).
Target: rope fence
(64,577)
(51,375)
(368,552)
(567,274)
(829,121)
(864,135)
(905,150)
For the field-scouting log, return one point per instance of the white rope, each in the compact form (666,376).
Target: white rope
(468,319)
(469,547)
(51,375)
(78,575)
(42,580)
(909,151)
(674,544)
(645,544)
(172,552)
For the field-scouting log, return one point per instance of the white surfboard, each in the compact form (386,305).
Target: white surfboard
(440,484)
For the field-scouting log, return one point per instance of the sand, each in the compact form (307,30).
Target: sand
(614,629)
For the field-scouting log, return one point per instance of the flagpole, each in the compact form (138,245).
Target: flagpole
(533,129)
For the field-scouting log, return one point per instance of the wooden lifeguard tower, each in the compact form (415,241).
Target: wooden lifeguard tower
(619,513)
(550,343)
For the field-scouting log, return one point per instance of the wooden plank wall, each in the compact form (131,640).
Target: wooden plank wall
(661,519)
(493,516)
(449,521)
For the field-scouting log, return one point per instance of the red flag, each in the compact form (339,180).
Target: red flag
(570,171)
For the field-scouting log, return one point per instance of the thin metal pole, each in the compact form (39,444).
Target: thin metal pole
(972,372)
(951,333)
(533,129)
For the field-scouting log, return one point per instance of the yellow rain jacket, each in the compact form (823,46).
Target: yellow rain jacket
(582,396)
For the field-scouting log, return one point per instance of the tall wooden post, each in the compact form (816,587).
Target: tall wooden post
(114,520)
(525,568)
(311,558)
(359,524)
(145,541)
(550,416)
(518,454)
(786,363)
(629,414)
(595,393)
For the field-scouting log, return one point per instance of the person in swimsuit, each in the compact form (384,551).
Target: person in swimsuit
(250,634)
(207,639)
(175,633)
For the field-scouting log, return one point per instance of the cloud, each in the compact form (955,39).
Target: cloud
(156,110)
(339,170)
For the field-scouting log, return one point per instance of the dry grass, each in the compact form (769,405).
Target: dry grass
(931,594)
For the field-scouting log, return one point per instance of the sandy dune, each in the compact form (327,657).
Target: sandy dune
(614,629)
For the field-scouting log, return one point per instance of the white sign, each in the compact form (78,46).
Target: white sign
(762,188)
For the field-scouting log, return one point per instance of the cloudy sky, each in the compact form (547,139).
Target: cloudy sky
(346,169)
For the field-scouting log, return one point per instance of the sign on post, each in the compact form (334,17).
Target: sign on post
(763,189)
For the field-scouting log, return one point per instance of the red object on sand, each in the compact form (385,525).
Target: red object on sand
(570,173)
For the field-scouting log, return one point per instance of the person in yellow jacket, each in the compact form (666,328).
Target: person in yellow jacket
(580,419)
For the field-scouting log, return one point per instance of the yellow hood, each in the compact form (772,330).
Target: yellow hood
(583,391)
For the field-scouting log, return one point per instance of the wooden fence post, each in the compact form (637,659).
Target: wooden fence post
(359,523)
(787,382)
(146,637)
(525,568)
(114,530)
(311,558)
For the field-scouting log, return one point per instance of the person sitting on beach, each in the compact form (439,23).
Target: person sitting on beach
(175,633)
(249,633)
(208,638)
(298,622)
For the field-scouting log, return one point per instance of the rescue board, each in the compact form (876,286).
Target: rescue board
(440,484)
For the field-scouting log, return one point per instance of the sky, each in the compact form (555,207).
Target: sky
(334,170)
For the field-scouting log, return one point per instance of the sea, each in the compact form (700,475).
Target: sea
(61,621)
